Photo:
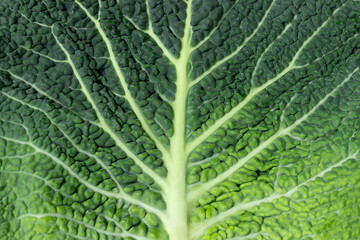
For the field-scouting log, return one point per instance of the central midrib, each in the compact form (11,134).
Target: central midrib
(176,194)
(176,198)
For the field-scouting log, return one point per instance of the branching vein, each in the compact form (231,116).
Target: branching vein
(87,184)
(103,123)
(199,189)
(255,91)
(96,158)
(238,49)
(124,84)
(199,44)
(124,234)
(198,229)
(155,37)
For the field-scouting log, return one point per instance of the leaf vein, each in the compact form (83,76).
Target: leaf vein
(198,189)
(255,91)
(200,228)
(103,123)
(121,77)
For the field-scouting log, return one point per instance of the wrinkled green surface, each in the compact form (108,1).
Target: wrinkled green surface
(197,119)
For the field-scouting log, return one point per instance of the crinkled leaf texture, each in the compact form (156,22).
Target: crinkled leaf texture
(163,119)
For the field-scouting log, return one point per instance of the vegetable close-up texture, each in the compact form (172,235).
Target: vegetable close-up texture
(179,119)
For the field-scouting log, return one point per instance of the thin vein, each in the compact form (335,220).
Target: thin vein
(99,12)
(199,189)
(152,34)
(198,229)
(19,156)
(47,95)
(121,77)
(103,123)
(250,236)
(68,196)
(55,159)
(98,160)
(40,24)
(206,160)
(15,123)
(73,220)
(267,49)
(238,49)
(73,236)
(88,185)
(330,52)
(42,55)
(164,98)
(199,44)
(157,40)
(255,91)
(159,180)
(119,226)
(46,182)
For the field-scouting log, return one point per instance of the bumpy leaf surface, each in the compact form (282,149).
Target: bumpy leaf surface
(162,119)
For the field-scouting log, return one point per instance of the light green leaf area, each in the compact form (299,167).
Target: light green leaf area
(179,120)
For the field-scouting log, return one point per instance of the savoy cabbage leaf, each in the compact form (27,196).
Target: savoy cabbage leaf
(164,119)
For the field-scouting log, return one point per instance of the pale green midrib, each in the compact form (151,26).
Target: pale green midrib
(200,189)
(238,49)
(199,44)
(255,91)
(124,234)
(103,123)
(98,160)
(121,77)
(198,229)
(177,209)
(87,184)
